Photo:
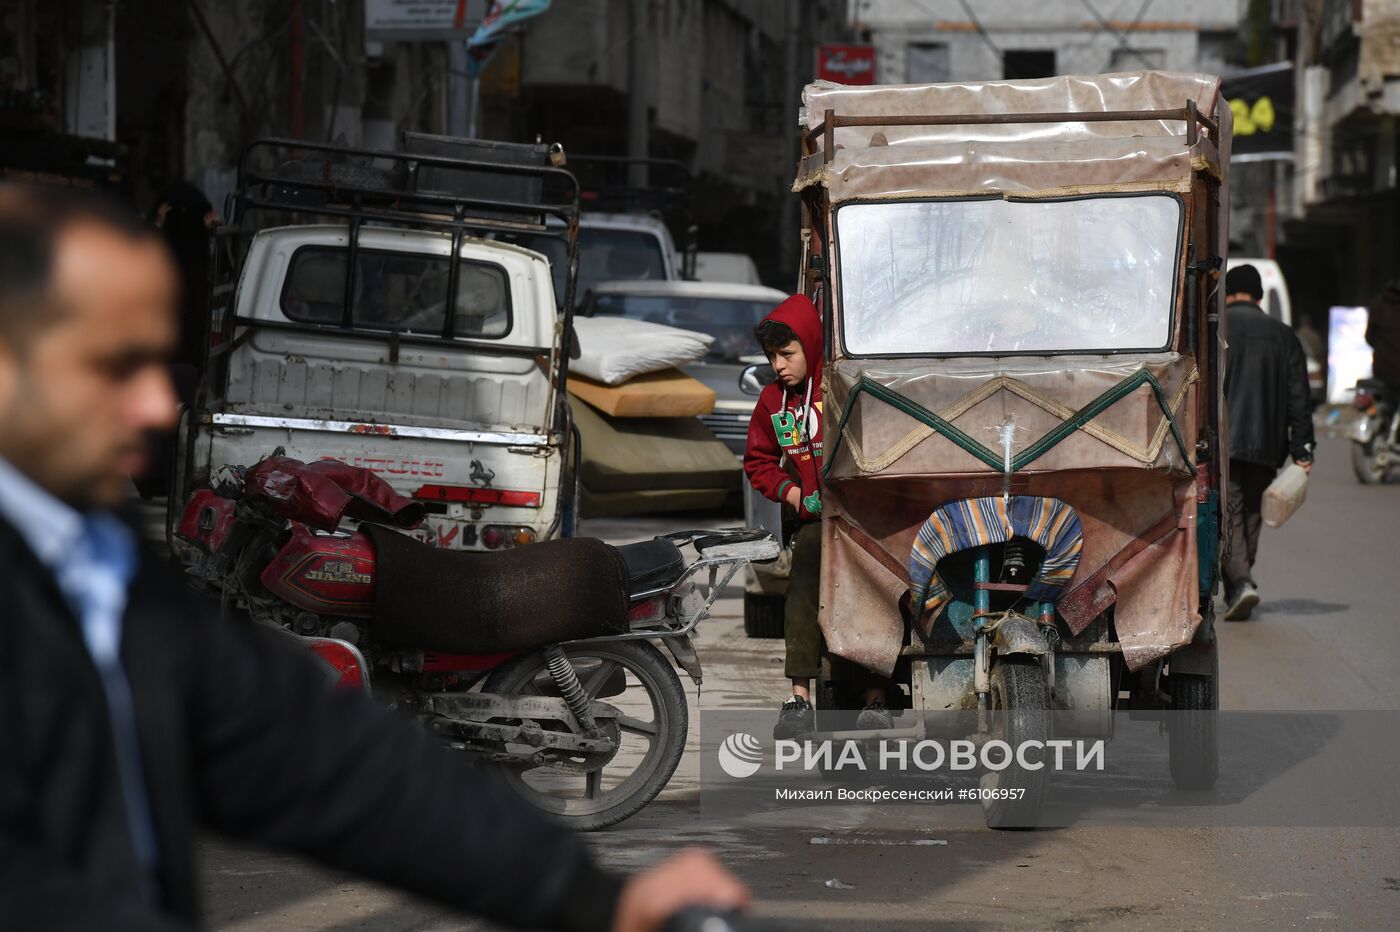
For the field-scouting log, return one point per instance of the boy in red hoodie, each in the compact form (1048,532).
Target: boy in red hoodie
(783,462)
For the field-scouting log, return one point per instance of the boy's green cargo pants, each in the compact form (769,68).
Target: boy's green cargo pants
(801,633)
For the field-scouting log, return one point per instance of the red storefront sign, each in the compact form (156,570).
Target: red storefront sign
(846,64)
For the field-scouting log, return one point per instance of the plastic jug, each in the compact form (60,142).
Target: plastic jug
(1285,494)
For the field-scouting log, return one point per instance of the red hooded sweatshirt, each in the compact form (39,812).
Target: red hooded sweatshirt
(785,432)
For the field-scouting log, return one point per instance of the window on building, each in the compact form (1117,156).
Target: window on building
(1028,63)
(926,63)
(1127,59)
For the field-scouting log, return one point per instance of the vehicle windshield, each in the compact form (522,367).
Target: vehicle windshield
(729,320)
(604,255)
(1008,276)
(402,291)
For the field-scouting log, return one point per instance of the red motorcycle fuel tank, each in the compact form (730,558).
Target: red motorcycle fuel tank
(324,574)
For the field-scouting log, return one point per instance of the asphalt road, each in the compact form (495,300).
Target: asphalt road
(1324,638)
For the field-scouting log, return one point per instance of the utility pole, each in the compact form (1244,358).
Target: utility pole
(789,217)
(638,91)
(461,102)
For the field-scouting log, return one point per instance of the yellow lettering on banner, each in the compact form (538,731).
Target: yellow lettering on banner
(1259,118)
(1262,113)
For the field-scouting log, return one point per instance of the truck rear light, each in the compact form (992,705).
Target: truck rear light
(475,495)
(497,536)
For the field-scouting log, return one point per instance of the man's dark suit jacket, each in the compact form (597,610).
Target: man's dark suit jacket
(239,733)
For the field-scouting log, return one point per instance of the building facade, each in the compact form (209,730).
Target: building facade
(922,41)
(1344,238)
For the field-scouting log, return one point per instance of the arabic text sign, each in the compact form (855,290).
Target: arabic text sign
(846,64)
(432,20)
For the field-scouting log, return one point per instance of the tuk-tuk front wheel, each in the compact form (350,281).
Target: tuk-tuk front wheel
(1020,707)
(1194,751)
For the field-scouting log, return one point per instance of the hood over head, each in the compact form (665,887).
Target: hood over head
(801,316)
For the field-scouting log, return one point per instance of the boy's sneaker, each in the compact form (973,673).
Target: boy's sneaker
(875,716)
(797,717)
(1243,604)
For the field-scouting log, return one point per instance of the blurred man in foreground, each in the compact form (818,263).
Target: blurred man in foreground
(129,713)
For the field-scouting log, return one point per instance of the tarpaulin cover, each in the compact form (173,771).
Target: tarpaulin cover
(320,494)
(1058,158)
(975,522)
(1138,555)
(930,417)
(1111,437)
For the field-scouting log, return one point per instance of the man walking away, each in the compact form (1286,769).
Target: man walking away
(1266,396)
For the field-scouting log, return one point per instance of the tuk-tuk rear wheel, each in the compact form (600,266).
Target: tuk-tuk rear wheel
(1020,712)
(763,615)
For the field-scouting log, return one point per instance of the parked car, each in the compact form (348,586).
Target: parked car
(611,247)
(726,311)
(735,267)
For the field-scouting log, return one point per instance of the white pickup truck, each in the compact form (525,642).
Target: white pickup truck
(444,377)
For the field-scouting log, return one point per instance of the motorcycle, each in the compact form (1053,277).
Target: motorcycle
(1375,436)
(540,660)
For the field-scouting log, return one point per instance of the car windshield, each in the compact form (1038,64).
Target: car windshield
(729,320)
(1007,276)
(604,255)
(397,291)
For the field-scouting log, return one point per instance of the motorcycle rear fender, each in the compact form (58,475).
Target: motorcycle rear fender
(345,665)
(683,649)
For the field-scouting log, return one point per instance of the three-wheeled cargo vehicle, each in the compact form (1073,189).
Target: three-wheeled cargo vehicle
(1025,445)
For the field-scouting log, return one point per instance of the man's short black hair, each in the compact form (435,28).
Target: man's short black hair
(31,219)
(773,335)
(1244,279)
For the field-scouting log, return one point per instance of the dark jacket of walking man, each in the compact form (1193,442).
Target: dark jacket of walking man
(130,712)
(1270,419)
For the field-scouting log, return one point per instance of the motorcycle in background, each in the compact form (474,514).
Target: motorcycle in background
(540,660)
(1375,436)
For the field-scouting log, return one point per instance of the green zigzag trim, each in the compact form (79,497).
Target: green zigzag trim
(1027,456)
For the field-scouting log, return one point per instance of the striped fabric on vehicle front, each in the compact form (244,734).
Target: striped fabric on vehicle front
(974,522)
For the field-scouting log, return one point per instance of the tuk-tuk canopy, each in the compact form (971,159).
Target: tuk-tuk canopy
(927,151)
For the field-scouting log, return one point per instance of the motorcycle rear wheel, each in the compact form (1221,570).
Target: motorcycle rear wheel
(1367,461)
(580,791)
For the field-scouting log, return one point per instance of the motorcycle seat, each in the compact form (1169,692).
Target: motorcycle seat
(472,602)
(651,565)
(1371,385)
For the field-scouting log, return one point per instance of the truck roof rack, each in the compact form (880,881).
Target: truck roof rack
(831,120)
(501,187)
